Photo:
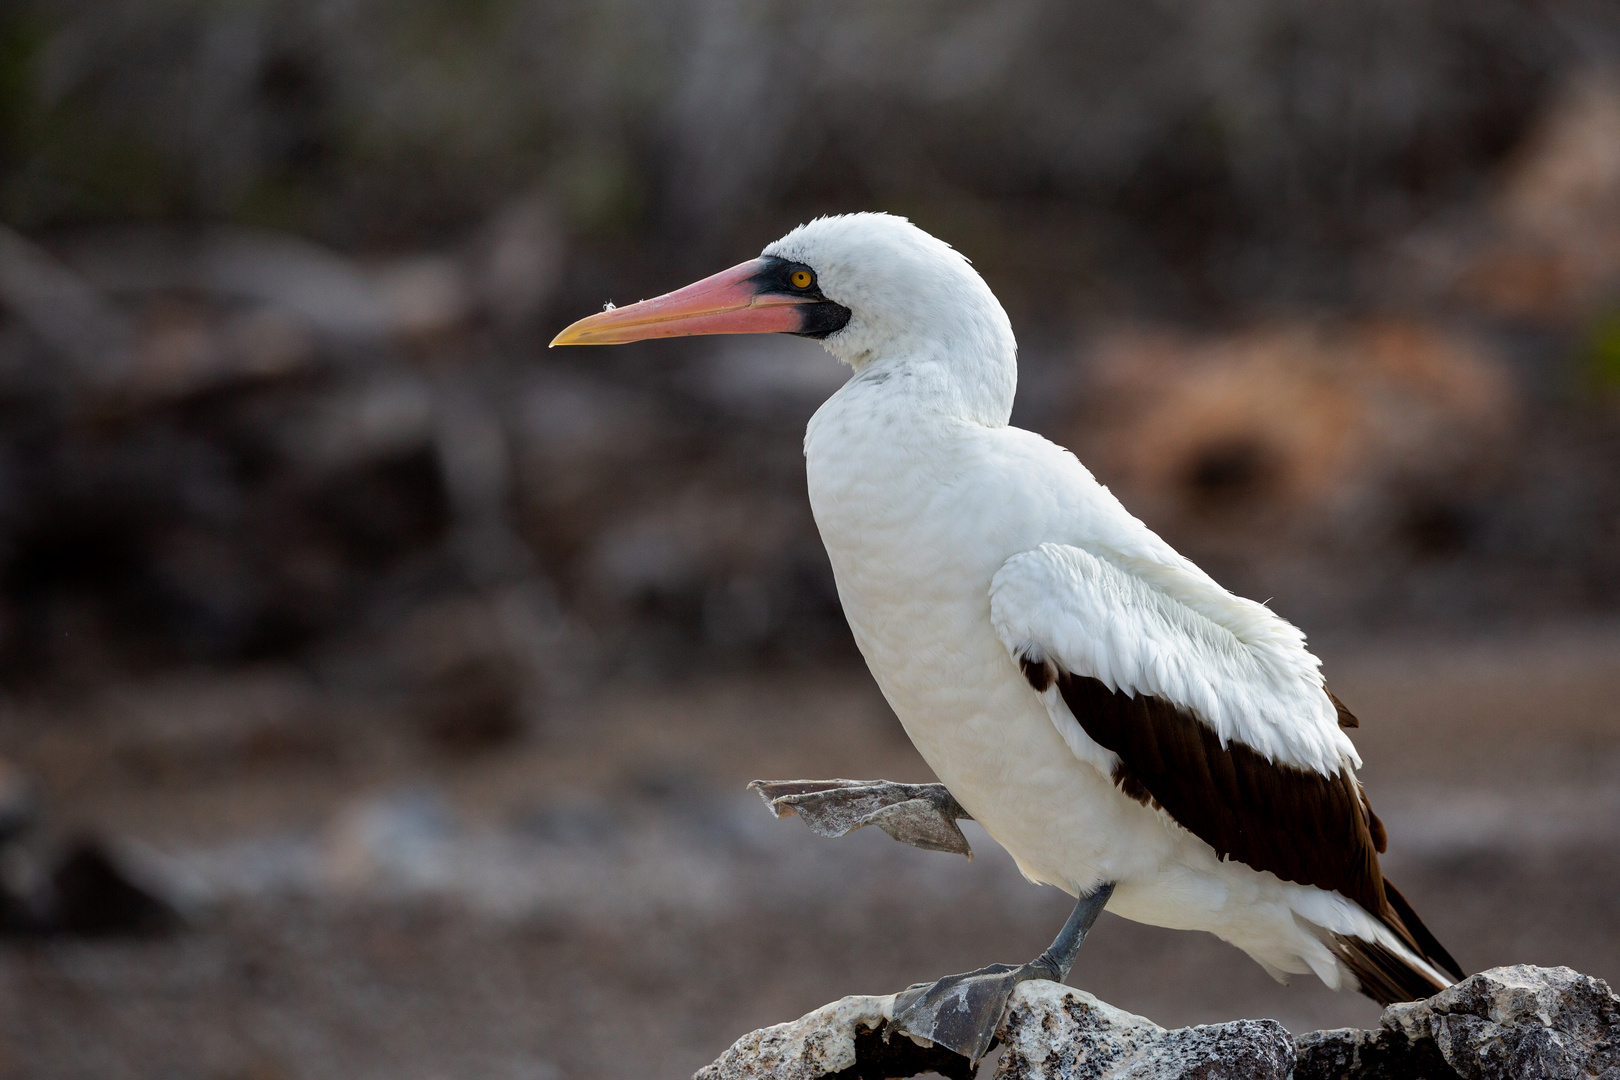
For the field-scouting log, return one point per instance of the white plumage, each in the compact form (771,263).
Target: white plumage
(1163,628)
(987,577)
(958,540)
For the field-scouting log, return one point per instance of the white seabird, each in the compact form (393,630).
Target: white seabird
(1126,728)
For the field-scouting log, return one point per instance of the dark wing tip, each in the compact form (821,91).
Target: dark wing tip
(1427,943)
(1347,719)
(1384,975)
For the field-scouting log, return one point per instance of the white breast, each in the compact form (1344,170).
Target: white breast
(918,512)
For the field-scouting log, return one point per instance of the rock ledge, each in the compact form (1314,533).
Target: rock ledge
(1510,1023)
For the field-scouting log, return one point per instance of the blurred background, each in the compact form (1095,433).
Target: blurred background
(377,689)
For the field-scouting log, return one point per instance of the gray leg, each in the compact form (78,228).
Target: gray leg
(962,1012)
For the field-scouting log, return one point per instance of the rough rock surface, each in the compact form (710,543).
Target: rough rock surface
(1052,1032)
(1520,1022)
(1354,1054)
(1511,1023)
(841,1039)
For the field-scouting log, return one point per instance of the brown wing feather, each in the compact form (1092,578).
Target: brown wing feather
(1298,824)
(1347,719)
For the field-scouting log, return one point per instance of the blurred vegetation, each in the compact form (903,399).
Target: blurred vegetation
(1198,151)
(1305,283)
(1603,355)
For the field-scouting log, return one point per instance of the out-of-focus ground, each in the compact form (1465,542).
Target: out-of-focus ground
(608,901)
(419,668)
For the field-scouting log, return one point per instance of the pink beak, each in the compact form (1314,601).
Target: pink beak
(729,302)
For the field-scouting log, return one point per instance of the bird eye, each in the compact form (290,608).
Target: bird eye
(801,279)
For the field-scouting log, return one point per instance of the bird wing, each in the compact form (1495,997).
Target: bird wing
(1216,716)
(1209,708)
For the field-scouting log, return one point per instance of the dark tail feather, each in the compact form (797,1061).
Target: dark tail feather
(1385,975)
(1434,952)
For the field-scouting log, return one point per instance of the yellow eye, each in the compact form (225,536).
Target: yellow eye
(801,279)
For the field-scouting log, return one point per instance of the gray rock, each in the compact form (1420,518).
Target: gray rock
(1238,1050)
(1512,1023)
(1519,1023)
(1051,1032)
(842,1040)
(1354,1054)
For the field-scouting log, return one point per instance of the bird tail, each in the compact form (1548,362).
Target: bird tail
(1415,969)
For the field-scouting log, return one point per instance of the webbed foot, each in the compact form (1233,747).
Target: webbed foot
(922,815)
(962,1012)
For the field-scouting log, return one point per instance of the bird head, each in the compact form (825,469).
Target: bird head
(868,286)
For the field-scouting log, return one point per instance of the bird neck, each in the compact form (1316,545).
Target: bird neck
(932,381)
